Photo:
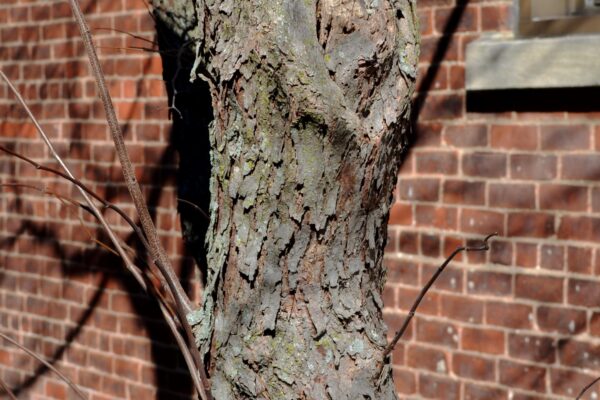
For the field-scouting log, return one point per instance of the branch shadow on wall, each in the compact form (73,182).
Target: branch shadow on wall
(189,137)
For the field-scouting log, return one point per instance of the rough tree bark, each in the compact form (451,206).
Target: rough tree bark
(311,118)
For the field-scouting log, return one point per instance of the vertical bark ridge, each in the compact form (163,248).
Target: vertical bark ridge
(311,103)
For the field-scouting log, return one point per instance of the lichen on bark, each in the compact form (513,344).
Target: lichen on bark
(311,106)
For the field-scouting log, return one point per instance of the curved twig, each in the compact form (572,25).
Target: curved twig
(483,247)
(586,388)
(46,363)
(195,206)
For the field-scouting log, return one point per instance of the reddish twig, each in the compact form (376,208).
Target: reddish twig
(157,252)
(126,33)
(46,363)
(483,247)
(82,186)
(586,388)
(7,390)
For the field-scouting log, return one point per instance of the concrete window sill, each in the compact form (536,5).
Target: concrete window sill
(558,62)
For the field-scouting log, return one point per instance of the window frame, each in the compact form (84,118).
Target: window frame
(571,25)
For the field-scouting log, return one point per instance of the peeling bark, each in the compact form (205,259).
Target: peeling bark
(311,103)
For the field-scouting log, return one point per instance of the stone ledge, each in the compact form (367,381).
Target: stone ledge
(558,62)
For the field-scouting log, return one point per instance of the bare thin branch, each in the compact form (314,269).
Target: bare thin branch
(46,363)
(7,390)
(159,256)
(189,352)
(483,247)
(126,33)
(195,206)
(83,187)
(587,387)
(156,250)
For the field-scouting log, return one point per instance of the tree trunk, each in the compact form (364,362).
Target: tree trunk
(311,107)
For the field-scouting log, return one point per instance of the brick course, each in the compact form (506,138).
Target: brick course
(521,319)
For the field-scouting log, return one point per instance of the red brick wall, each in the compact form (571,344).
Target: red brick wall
(61,294)
(521,321)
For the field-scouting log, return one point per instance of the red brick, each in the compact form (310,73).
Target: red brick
(578,354)
(581,167)
(437,163)
(561,320)
(141,392)
(567,382)
(127,369)
(456,77)
(462,309)
(479,392)
(584,293)
(579,228)
(501,252)
(490,283)
(579,260)
(427,358)
(464,192)
(419,189)
(430,245)
(512,195)
(496,18)
(466,135)
(436,387)
(438,75)
(565,137)
(532,348)
(113,387)
(520,137)
(473,367)
(56,390)
(552,257)
(482,222)
(469,20)
(489,165)
(541,288)
(522,376)
(428,134)
(441,218)
(442,106)
(429,305)
(401,214)
(437,332)
(533,167)
(408,242)
(450,280)
(595,324)
(401,271)
(389,297)
(404,381)
(429,46)
(536,225)
(482,340)
(563,197)
(509,315)
(425,21)
(596,199)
